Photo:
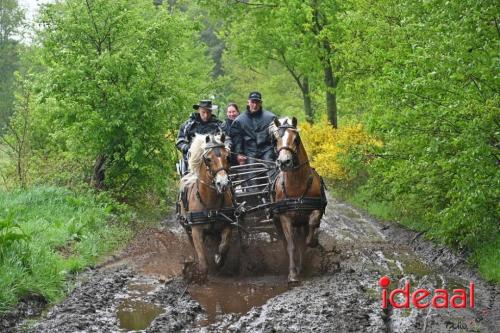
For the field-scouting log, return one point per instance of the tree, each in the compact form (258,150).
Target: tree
(11,20)
(299,35)
(118,76)
(427,74)
(16,137)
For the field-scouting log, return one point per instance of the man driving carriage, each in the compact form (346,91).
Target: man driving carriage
(200,122)
(252,143)
(250,132)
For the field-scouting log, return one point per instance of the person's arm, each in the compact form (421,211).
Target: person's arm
(182,142)
(236,137)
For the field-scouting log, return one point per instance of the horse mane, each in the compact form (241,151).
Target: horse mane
(195,159)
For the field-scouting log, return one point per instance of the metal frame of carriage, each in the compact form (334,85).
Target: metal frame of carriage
(252,184)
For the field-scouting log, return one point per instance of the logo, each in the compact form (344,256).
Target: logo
(440,298)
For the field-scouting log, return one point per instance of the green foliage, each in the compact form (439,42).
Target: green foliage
(11,19)
(427,74)
(117,76)
(296,35)
(10,232)
(47,232)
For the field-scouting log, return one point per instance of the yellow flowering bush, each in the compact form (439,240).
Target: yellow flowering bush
(338,154)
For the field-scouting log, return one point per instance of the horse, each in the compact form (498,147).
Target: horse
(298,195)
(206,201)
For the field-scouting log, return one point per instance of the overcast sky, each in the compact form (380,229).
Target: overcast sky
(31,6)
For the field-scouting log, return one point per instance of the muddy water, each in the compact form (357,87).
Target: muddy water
(134,313)
(224,296)
(339,293)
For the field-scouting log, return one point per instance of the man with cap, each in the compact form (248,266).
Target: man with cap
(201,122)
(250,132)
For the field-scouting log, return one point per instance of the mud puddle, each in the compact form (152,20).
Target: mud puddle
(340,291)
(134,313)
(226,296)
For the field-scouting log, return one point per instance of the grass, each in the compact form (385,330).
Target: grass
(47,233)
(485,256)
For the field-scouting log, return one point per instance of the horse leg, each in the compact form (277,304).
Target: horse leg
(301,246)
(314,220)
(197,234)
(223,246)
(288,230)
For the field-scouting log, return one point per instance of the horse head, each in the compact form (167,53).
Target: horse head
(216,161)
(287,143)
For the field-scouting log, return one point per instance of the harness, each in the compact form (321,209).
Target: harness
(302,203)
(207,216)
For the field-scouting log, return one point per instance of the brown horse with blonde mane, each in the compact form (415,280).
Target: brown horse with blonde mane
(298,195)
(205,202)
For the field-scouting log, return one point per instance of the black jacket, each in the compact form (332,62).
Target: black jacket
(194,125)
(250,133)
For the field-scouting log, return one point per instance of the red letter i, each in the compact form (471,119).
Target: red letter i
(384,282)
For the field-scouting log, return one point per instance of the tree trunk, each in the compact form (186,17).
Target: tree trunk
(98,174)
(319,22)
(19,168)
(331,98)
(307,100)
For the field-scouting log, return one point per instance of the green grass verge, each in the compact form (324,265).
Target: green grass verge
(46,233)
(485,256)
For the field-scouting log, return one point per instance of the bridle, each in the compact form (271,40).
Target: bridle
(295,158)
(208,148)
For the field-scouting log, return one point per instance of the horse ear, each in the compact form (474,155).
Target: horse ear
(207,139)
(294,122)
(277,122)
(222,137)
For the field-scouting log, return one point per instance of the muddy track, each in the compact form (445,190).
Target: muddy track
(143,289)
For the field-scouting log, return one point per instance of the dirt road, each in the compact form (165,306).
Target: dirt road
(143,289)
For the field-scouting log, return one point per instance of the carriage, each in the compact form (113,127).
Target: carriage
(252,186)
(283,199)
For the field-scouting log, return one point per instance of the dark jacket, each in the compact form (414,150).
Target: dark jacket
(226,128)
(226,125)
(194,125)
(250,134)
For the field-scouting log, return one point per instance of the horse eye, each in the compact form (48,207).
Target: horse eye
(208,159)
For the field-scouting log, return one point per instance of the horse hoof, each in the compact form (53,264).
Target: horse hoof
(292,278)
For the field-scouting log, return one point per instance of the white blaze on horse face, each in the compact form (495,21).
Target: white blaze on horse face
(222,181)
(285,157)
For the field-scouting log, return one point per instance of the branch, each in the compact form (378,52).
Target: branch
(295,76)
(255,4)
(496,26)
(426,98)
(99,41)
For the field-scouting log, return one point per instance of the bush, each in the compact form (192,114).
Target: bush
(48,232)
(339,155)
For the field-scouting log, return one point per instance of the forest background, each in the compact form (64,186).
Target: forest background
(398,106)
